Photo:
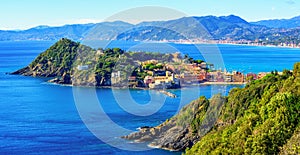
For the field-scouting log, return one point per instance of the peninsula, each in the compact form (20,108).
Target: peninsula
(71,63)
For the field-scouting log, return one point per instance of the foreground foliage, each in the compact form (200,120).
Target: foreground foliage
(261,118)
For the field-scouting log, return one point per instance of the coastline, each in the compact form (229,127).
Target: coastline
(220,43)
(145,88)
(162,91)
(223,83)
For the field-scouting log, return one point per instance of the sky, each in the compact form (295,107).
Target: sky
(17,14)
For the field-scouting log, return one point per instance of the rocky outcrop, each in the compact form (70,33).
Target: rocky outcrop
(167,136)
(54,62)
(183,130)
(72,63)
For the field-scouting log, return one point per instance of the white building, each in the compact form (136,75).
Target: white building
(84,67)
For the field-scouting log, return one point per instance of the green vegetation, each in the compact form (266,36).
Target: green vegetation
(261,118)
(56,60)
(73,63)
(293,144)
(105,65)
(192,60)
(193,114)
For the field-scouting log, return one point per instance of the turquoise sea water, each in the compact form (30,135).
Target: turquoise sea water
(38,117)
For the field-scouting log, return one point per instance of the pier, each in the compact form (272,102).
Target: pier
(167,93)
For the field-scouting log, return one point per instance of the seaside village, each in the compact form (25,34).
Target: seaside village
(170,76)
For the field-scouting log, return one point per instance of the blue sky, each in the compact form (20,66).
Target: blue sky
(16,14)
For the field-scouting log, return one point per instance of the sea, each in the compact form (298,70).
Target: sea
(37,117)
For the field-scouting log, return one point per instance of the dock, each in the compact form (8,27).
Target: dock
(167,93)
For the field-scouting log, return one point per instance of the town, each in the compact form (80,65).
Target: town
(153,74)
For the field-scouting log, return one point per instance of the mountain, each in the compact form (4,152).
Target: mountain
(262,118)
(103,31)
(199,29)
(107,30)
(280,23)
(47,33)
(204,28)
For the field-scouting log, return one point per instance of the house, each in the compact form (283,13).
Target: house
(115,77)
(228,77)
(116,74)
(203,76)
(216,76)
(204,65)
(163,82)
(237,77)
(84,67)
(132,81)
(261,75)
(148,80)
(190,78)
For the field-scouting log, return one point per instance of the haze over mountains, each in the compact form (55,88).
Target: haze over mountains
(203,28)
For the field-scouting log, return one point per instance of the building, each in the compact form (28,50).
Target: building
(228,77)
(204,65)
(115,77)
(261,75)
(203,76)
(216,76)
(164,82)
(148,80)
(84,67)
(237,77)
(132,81)
(251,75)
(190,78)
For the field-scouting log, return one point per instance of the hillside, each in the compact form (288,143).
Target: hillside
(262,118)
(202,28)
(280,23)
(206,28)
(69,62)
(100,31)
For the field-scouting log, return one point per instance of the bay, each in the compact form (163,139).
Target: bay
(38,117)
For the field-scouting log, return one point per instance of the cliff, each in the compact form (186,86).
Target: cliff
(181,131)
(62,62)
(54,62)
(261,118)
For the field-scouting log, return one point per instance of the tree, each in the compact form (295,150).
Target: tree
(250,78)
(296,71)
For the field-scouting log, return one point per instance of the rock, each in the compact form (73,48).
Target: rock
(180,132)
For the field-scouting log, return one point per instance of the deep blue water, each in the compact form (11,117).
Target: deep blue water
(245,59)
(37,117)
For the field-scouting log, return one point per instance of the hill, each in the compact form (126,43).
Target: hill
(280,23)
(69,62)
(103,31)
(206,28)
(61,60)
(202,28)
(262,118)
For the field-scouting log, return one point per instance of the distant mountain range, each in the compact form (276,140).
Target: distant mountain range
(206,28)
(280,23)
